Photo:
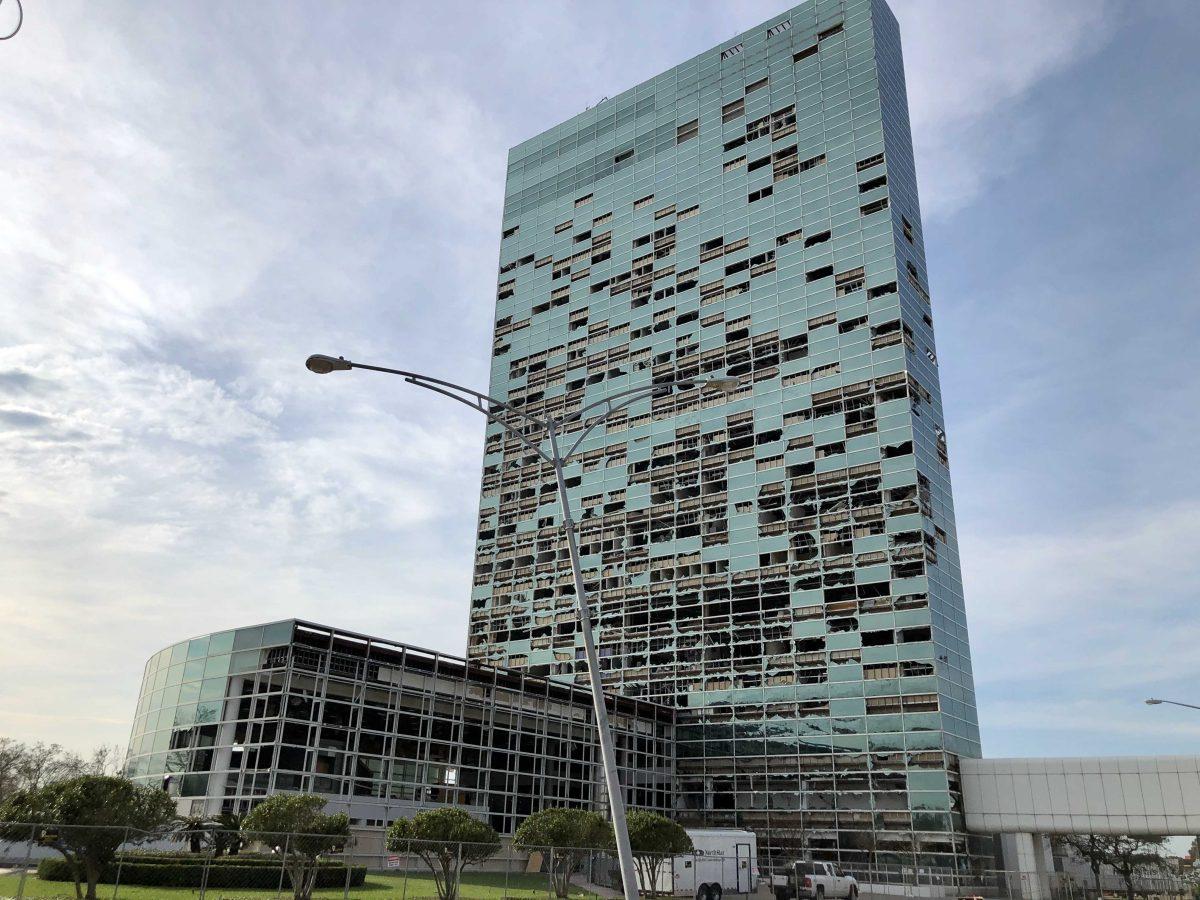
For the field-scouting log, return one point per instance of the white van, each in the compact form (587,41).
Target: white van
(723,861)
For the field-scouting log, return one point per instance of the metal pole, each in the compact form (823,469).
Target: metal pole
(26,864)
(283,866)
(407,857)
(120,863)
(208,858)
(608,753)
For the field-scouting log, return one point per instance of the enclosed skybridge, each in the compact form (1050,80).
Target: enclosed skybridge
(1136,795)
(1028,798)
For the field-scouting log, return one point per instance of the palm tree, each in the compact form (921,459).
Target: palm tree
(196,831)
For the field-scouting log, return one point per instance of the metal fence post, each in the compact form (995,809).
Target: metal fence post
(208,858)
(408,853)
(28,859)
(346,862)
(453,892)
(120,862)
(283,865)
(550,873)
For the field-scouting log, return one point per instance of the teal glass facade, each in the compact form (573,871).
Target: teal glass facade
(780,564)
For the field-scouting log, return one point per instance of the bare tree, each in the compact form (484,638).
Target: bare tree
(30,767)
(12,759)
(1125,855)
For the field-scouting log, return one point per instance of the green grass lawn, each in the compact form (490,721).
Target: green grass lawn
(476,886)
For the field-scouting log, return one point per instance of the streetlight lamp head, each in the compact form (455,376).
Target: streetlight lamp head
(1153,701)
(722,384)
(323,365)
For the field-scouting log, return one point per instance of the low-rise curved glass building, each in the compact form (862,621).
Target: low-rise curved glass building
(379,728)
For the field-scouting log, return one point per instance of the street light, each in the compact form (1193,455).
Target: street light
(532,432)
(1154,701)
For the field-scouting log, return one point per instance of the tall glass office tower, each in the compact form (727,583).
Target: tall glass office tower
(779,564)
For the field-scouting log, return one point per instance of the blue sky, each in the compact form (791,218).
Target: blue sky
(197,196)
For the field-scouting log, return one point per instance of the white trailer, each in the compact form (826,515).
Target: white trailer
(722,861)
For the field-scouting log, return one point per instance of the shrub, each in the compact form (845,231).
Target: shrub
(186,870)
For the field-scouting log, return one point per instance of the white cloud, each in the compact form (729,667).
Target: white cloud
(171,251)
(1073,625)
(195,200)
(971,69)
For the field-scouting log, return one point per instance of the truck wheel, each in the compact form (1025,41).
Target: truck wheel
(702,892)
(714,892)
(820,892)
(853,892)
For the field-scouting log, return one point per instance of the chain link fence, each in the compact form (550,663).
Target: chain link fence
(213,865)
(140,866)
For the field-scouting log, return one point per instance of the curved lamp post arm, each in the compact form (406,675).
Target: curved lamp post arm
(590,426)
(632,395)
(464,395)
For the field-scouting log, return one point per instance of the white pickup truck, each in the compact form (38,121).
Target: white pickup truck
(814,881)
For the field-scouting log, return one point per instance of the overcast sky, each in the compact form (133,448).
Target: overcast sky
(195,196)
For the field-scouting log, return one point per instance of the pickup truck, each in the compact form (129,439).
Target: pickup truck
(814,881)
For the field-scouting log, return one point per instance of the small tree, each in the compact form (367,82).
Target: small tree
(1087,848)
(296,827)
(1123,854)
(1128,855)
(569,835)
(654,839)
(89,817)
(447,839)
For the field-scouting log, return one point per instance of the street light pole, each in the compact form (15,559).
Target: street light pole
(551,430)
(1154,701)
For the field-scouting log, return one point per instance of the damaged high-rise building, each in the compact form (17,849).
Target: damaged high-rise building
(779,564)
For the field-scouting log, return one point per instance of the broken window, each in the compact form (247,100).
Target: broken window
(817,274)
(819,238)
(731,51)
(687,131)
(850,281)
(755,196)
(751,88)
(872,184)
(870,161)
(585,199)
(509,232)
(805,53)
(894,450)
(733,110)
